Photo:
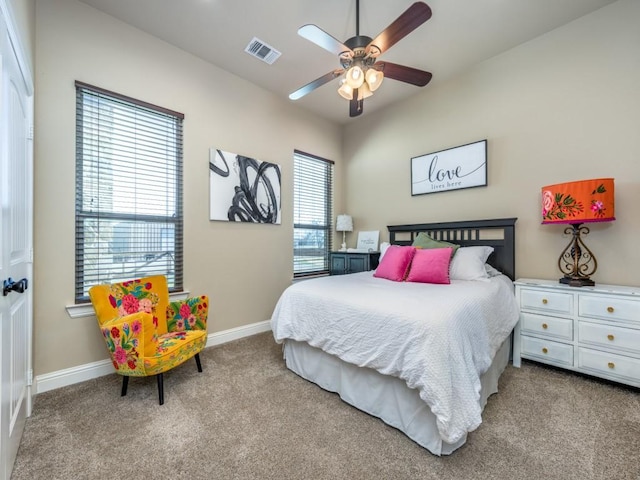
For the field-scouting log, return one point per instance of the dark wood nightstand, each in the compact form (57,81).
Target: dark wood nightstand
(341,263)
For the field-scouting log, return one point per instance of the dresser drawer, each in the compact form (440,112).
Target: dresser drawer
(547,350)
(609,308)
(593,330)
(610,336)
(548,326)
(544,301)
(610,365)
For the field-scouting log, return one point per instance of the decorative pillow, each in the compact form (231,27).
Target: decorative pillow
(395,263)
(430,265)
(468,263)
(423,240)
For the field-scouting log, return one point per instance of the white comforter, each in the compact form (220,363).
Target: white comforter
(438,338)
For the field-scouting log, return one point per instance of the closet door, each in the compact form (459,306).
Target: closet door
(16,252)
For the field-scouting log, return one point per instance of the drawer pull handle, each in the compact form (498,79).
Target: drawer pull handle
(545,301)
(544,350)
(545,326)
(611,365)
(610,337)
(610,309)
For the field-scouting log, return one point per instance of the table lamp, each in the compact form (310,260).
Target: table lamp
(344,223)
(576,203)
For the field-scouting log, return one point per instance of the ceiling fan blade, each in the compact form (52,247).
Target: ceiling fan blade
(403,74)
(412,18)
(355,105)
(324,40)
(318,82)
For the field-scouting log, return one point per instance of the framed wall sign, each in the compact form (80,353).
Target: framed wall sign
(451,169)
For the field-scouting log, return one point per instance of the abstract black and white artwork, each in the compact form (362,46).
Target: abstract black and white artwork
(243,189)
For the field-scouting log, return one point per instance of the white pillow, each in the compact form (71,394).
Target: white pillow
(468,263)
(383,249)
(491,271)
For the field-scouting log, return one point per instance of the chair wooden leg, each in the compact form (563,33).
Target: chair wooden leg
(125,384)
(160,389)
(198,362)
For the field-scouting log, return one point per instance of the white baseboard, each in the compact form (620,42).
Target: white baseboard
(237,333)
(88,371)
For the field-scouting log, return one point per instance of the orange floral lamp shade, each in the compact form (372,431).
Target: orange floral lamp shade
(579,202)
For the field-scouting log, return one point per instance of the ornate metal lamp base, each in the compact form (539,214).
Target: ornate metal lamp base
(576,261)
(578,282)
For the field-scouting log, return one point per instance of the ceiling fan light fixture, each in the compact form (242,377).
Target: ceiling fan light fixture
(374,79)
(364,92)
(355,76)
(345,91)
(358,54)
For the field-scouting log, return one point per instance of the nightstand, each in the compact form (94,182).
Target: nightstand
(341,263)
(592,330)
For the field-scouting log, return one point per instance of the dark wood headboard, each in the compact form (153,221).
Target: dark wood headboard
(498,233)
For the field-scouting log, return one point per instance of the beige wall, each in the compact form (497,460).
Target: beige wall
(243,267)
(562,107)
(565,106)
(24,15)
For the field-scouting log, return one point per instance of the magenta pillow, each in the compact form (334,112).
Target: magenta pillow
(430,265)
(395,263)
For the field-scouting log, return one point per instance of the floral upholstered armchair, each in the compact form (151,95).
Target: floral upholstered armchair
(144,332)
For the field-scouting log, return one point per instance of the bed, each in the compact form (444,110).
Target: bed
(424,358)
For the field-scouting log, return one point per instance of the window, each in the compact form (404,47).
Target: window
(128,190)
(312,214)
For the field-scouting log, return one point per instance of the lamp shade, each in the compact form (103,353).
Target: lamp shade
(374,78)
(364,92)
(344,223)
(345,91)
(355,76)
(579,202)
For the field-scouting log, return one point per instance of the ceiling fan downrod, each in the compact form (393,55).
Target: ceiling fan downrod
(358,42)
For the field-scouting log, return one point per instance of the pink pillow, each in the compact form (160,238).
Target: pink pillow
(430,265)
(395,263)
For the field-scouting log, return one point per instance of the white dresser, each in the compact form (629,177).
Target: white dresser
(593,330)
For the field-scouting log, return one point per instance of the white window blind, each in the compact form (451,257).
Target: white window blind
(128,190)
(312,214)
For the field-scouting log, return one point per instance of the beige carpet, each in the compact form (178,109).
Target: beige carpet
(247,417)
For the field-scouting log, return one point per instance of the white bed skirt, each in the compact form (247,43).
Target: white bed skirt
(382,396)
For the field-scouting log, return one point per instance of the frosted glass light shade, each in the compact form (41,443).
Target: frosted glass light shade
(346,91)
(374,79)
(364,92)
(355,77)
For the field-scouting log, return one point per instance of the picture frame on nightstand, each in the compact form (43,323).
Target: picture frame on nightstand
(368,241)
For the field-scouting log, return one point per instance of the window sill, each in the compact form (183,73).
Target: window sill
(308,277)
(86,309)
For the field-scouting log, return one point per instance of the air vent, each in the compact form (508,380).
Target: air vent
(261,50)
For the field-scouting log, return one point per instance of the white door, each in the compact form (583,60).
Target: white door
(16,241)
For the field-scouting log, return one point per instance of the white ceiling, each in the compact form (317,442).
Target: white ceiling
(460,33)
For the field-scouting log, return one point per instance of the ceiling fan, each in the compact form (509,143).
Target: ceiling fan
(358,56)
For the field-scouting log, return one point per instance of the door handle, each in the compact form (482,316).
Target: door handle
(9,286)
